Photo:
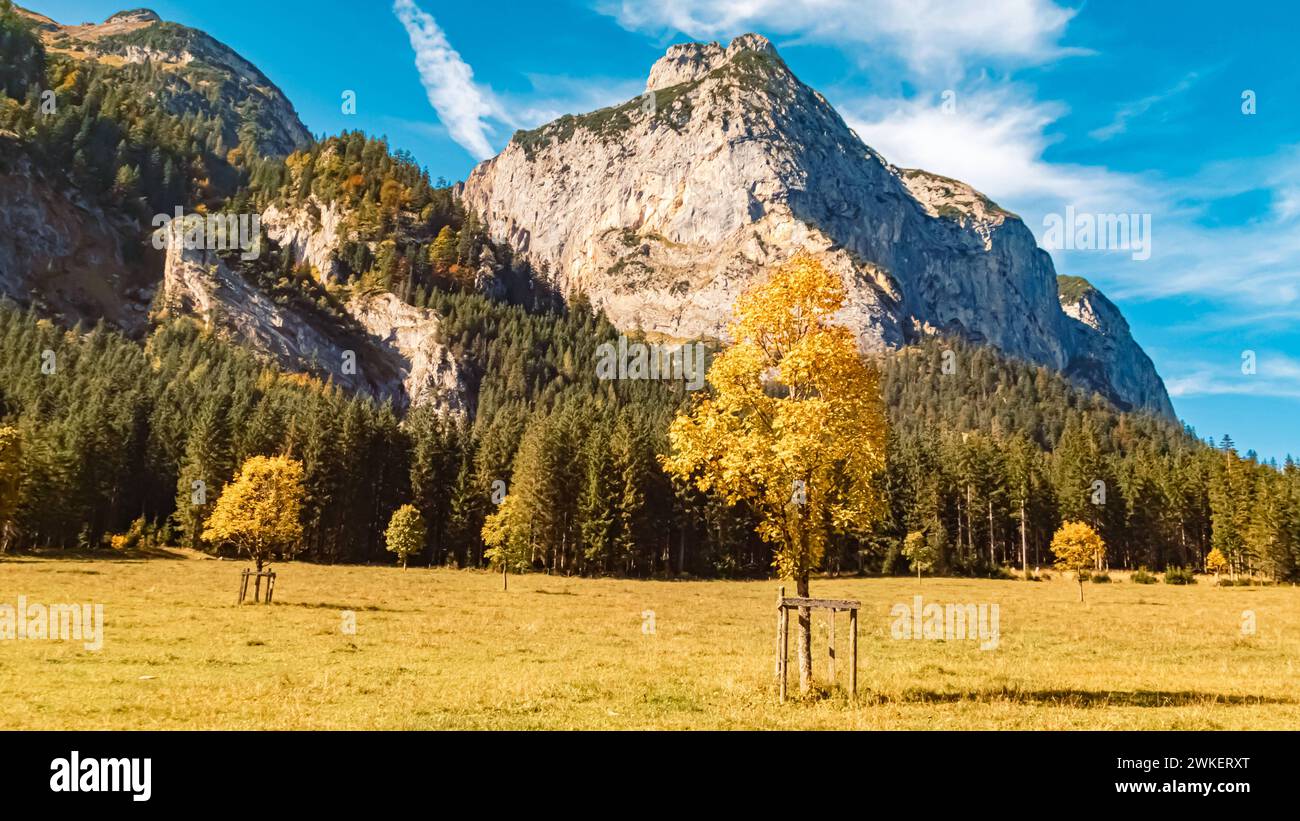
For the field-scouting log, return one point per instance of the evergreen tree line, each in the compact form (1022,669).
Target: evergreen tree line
(986,460)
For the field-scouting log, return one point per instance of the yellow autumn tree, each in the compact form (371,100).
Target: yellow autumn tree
(793,425)
(1077,548)
(1215,562)
(406,533)
(260,512)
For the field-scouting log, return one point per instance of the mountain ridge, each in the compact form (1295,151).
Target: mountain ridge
(662,209)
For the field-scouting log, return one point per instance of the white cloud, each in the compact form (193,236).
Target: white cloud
(448,80)
(473,113)
(993,139)
(1276,375)
(928,35)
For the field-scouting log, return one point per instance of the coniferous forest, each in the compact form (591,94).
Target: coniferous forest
(115,437)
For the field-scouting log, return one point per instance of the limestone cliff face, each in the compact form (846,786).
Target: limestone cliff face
(312,234)
(387,349)
(64,254)
(1104,355)
(663,210)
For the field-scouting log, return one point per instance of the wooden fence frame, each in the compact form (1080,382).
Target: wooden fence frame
(269,575)
(783,607)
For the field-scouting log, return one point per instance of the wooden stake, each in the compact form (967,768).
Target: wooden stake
(853,654)
(831,647)
(782,640)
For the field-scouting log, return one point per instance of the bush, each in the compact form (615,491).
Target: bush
(132,539)
(1100,578)
(1180,575)
(1141,576)
(1083,575)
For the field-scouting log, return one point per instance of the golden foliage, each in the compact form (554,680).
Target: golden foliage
(1216,562)
(794,424)
(1077,547)
(260,512)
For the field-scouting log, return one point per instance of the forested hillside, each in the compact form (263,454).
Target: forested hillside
(119,432)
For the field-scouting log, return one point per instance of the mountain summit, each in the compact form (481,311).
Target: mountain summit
(664,209)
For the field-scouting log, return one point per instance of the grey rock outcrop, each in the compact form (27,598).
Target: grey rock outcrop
(662,211)
(388,349)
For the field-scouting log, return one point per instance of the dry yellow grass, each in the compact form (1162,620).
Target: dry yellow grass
(450,649)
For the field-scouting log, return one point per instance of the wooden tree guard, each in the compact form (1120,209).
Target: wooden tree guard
(257,576)
(785,605)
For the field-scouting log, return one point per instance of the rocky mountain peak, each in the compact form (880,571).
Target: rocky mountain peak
(135,16)
(691,62)
(663,216)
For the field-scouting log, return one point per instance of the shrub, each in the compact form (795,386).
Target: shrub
(1141,576)
(133,538)
(1100,578)
(1180,575)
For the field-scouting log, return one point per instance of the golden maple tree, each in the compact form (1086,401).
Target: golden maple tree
(260,512)
(1077,548)
(794,425)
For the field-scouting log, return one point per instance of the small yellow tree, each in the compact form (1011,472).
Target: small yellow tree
(260,512)
(1077,548)
(794,425)
(406,532)
(1216,562)
(920,551)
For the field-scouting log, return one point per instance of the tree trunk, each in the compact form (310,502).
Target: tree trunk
(1024,544)
(1080,579)
(992,559)
(805,637)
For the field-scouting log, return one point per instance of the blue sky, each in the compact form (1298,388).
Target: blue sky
(1105,107)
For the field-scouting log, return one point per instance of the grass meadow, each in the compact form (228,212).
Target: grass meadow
(448,649)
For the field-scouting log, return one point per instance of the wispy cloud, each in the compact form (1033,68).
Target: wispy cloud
(927,35)
(448,80)
(1275,375)
(472,113)
(1132,110)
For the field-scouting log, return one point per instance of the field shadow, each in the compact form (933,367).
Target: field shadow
(321,605)
(1082,698)
(135,556)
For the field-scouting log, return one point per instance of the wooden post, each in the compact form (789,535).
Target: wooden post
(831,647)
(782,640)
(257,587)
(243,585)
(505,580)
(853,654)
(270,587)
